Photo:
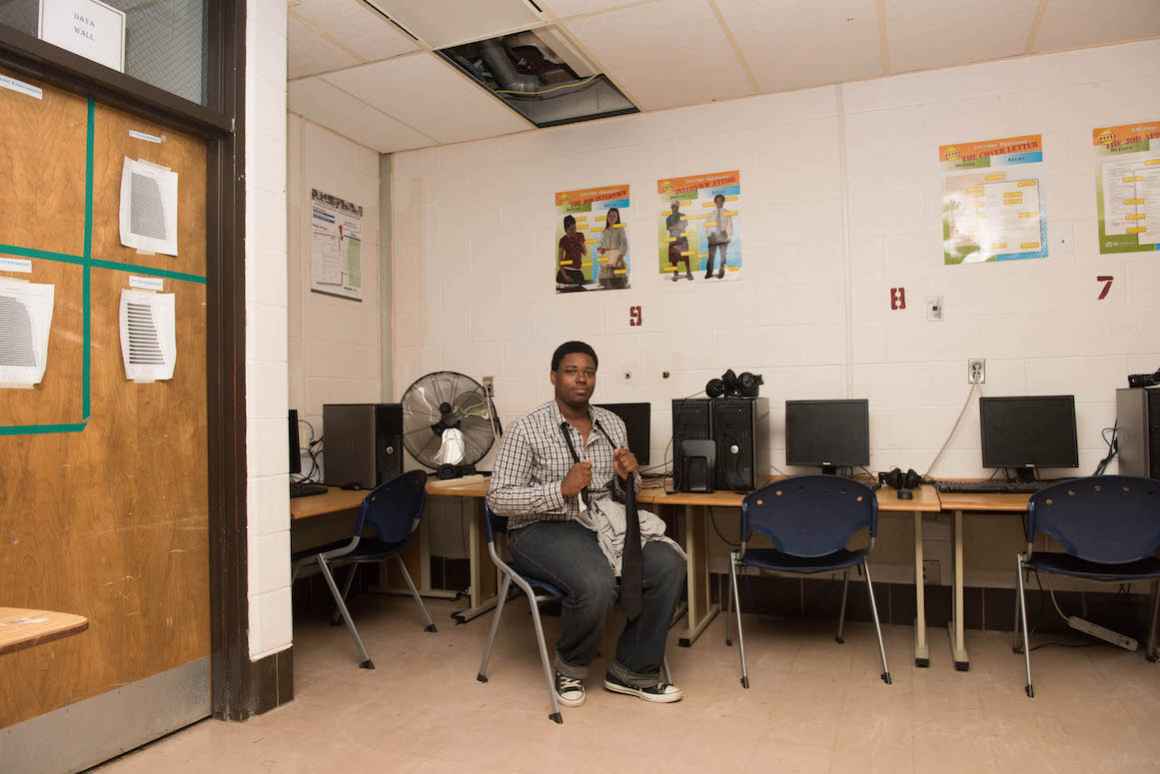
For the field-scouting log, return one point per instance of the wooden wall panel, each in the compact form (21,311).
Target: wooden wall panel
(185,155)
(112,522)
(57,399)
(42,170)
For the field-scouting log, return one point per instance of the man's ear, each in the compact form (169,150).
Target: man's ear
(552,377)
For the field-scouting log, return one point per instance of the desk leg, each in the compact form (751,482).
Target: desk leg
(921,650)
(955,626)
(700,612)
(481,571)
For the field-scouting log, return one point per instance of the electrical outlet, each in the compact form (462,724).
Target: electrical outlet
(934,308)
(976,371)
(931,572)
(489,385)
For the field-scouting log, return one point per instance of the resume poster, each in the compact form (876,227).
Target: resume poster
(592,250)
(1128,187)
(698,229)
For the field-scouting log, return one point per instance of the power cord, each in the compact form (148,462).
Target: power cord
(1113,448)
(951,434)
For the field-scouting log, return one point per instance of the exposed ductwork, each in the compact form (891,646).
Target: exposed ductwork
(503,70)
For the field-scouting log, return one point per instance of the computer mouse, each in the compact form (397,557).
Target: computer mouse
(905,494)
(354,485)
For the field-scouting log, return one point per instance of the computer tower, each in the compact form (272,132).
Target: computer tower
(362,443)
(741,432)
(692,421)
(1138,431)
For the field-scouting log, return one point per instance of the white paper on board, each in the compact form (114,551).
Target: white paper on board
(148,335)
(148,215)
(25,324)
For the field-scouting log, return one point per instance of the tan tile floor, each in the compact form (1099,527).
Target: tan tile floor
(814,706)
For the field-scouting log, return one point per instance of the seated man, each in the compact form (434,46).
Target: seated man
(560,478)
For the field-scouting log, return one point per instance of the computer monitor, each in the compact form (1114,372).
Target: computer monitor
(637,421)
(1029,432)
(827,433)
(295,444)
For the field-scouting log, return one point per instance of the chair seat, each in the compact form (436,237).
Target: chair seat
(1066,564)
(772,559)
(368,549)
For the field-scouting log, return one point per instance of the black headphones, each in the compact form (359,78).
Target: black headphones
(730,385)
(903,482)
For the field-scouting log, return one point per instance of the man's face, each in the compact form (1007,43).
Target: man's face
(575,381)
(675,207)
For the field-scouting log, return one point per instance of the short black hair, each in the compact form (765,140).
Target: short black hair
(569,221)
(572,347)
(719,196)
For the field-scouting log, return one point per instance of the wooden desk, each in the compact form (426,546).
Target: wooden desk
(694,538)
(958,503)
(334,501)
(21,628)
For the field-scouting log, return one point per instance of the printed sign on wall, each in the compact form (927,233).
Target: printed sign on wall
(699,234)
(591,239)
(1128,187)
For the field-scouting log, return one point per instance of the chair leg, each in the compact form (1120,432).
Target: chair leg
(549,675)
(1022,619)
(886,678)
(1151,652)
(841,638)
(737,608)
(668,673)
(1016,639)
(727,603)
(430,627)
(335,618)
(501,599)
(366,663)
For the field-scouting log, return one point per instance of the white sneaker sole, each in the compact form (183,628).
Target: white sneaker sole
(667,698)
(572,702)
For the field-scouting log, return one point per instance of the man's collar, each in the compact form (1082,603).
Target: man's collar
(558,416)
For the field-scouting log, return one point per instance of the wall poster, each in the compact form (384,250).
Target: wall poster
(335,246)
(1128,187)
(592,251)
(698,233)
(993,207)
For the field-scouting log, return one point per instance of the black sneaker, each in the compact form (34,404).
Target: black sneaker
(661,693)
(569,690)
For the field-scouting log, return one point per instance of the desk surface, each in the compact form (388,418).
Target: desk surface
(21,628)
(984,501)
(336,499)
(925,499)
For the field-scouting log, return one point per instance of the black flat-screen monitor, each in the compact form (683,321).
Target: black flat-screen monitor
(295,444)
(1031,431)
(827,433)
(637,421)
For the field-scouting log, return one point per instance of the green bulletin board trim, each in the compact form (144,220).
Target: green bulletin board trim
(88,263)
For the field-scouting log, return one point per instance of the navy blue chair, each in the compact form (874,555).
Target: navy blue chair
(390,513)
(1109,530)
(810,521)
(537,592)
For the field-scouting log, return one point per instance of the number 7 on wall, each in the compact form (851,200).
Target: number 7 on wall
(1107,279)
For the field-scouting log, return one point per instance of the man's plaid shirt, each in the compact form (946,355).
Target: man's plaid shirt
(534,459)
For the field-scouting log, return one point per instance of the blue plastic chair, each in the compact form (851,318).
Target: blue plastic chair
(391,513)
(810,520)
(1109,529)
(497,525)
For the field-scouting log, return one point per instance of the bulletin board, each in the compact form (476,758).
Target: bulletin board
(104,490)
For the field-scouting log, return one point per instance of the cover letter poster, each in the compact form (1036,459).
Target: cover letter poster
(592,251)
(993,200)
(335,246)
(699,228)
(1128,187)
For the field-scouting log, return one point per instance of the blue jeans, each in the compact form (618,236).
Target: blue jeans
(566,554)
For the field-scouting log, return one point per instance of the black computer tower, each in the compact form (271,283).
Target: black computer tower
(1138,431)
(362,443)
(741,432)
(692,421)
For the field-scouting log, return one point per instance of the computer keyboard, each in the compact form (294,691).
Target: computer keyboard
(994,487)
(306,489)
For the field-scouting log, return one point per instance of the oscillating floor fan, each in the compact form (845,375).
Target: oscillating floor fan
(449,423)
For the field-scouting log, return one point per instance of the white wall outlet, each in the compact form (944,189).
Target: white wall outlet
(934,308)
(976,371)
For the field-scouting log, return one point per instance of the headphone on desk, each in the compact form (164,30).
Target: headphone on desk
(730,385)
(903,482)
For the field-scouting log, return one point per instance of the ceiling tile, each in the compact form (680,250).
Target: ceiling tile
(791,44)
(664,55)
(429,94)
(356,27)
(322,103)
(1078,23)
(925,34)
(564,8)
(444,23)
(310,53)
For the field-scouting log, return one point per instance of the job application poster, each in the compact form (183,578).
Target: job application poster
(1128,187)
(993,208)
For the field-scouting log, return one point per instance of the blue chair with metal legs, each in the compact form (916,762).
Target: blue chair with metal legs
(537,592)
(810,520)
(391,512)
(1109,530)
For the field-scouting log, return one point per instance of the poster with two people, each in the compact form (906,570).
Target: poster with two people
(591,239)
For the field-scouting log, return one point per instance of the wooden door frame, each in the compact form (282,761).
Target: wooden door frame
(221,122)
